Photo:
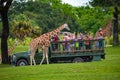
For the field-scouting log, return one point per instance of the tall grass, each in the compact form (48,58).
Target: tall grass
(108,69)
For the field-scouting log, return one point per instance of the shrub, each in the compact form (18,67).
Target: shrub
(111,40)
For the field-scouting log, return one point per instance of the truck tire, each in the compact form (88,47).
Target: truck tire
(77,60)
(22,62)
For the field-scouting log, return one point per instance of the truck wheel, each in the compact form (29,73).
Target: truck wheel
(78,60)
(22,62)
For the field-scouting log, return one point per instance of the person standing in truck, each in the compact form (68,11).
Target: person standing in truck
(87,42)
(65,44)
(56,44)
(81,37)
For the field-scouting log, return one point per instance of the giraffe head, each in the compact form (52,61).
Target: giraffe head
(66,26)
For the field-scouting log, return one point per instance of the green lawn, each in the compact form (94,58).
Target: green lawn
(108,69)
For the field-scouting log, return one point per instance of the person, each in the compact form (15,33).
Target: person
(65,45)
(101,41)
(87,42)
(89,37)
(100,32)
(56,44)
(71,45)
(96,43)
(98,35)
(60,44)
(76,41)
(81,43)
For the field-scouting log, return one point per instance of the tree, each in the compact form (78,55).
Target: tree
(4,8)
(49,14)
(105,4)
(22,27)
(115,27)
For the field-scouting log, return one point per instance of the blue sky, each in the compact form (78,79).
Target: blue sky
(76,2)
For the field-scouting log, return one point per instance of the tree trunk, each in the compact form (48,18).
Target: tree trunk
(4,37)
(115,28)
(115,33)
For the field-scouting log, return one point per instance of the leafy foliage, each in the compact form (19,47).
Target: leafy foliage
(22,27)
(49,14)
(105,3)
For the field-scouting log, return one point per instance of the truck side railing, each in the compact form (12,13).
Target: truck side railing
(77,46)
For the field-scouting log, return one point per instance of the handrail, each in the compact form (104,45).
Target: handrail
(92,47)
(78,40)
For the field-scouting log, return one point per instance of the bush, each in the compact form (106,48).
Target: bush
(11,41)
(26,41)
(109,41)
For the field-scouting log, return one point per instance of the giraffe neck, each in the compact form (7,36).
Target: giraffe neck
(56,31)
(106,29)
(10,50)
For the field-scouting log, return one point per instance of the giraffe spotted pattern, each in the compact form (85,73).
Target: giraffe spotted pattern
(43,42)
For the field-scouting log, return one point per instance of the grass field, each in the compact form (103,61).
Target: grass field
(108,69)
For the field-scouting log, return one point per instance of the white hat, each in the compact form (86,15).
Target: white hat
(100,29)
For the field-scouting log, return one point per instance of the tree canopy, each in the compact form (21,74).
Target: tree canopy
(50,14)
(115,4)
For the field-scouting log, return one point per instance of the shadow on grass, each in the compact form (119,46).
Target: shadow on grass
(5,65)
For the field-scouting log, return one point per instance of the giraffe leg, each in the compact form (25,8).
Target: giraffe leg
(46,54)
(30,60)
(43,57)
(34,61)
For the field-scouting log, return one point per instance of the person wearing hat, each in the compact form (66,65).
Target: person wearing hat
(100,31)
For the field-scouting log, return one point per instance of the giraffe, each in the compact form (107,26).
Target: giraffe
(43,42)
(10,50)
(107,29)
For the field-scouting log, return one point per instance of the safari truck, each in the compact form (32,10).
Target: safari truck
(65,51)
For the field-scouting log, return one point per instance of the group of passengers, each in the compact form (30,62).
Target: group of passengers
(84,40)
